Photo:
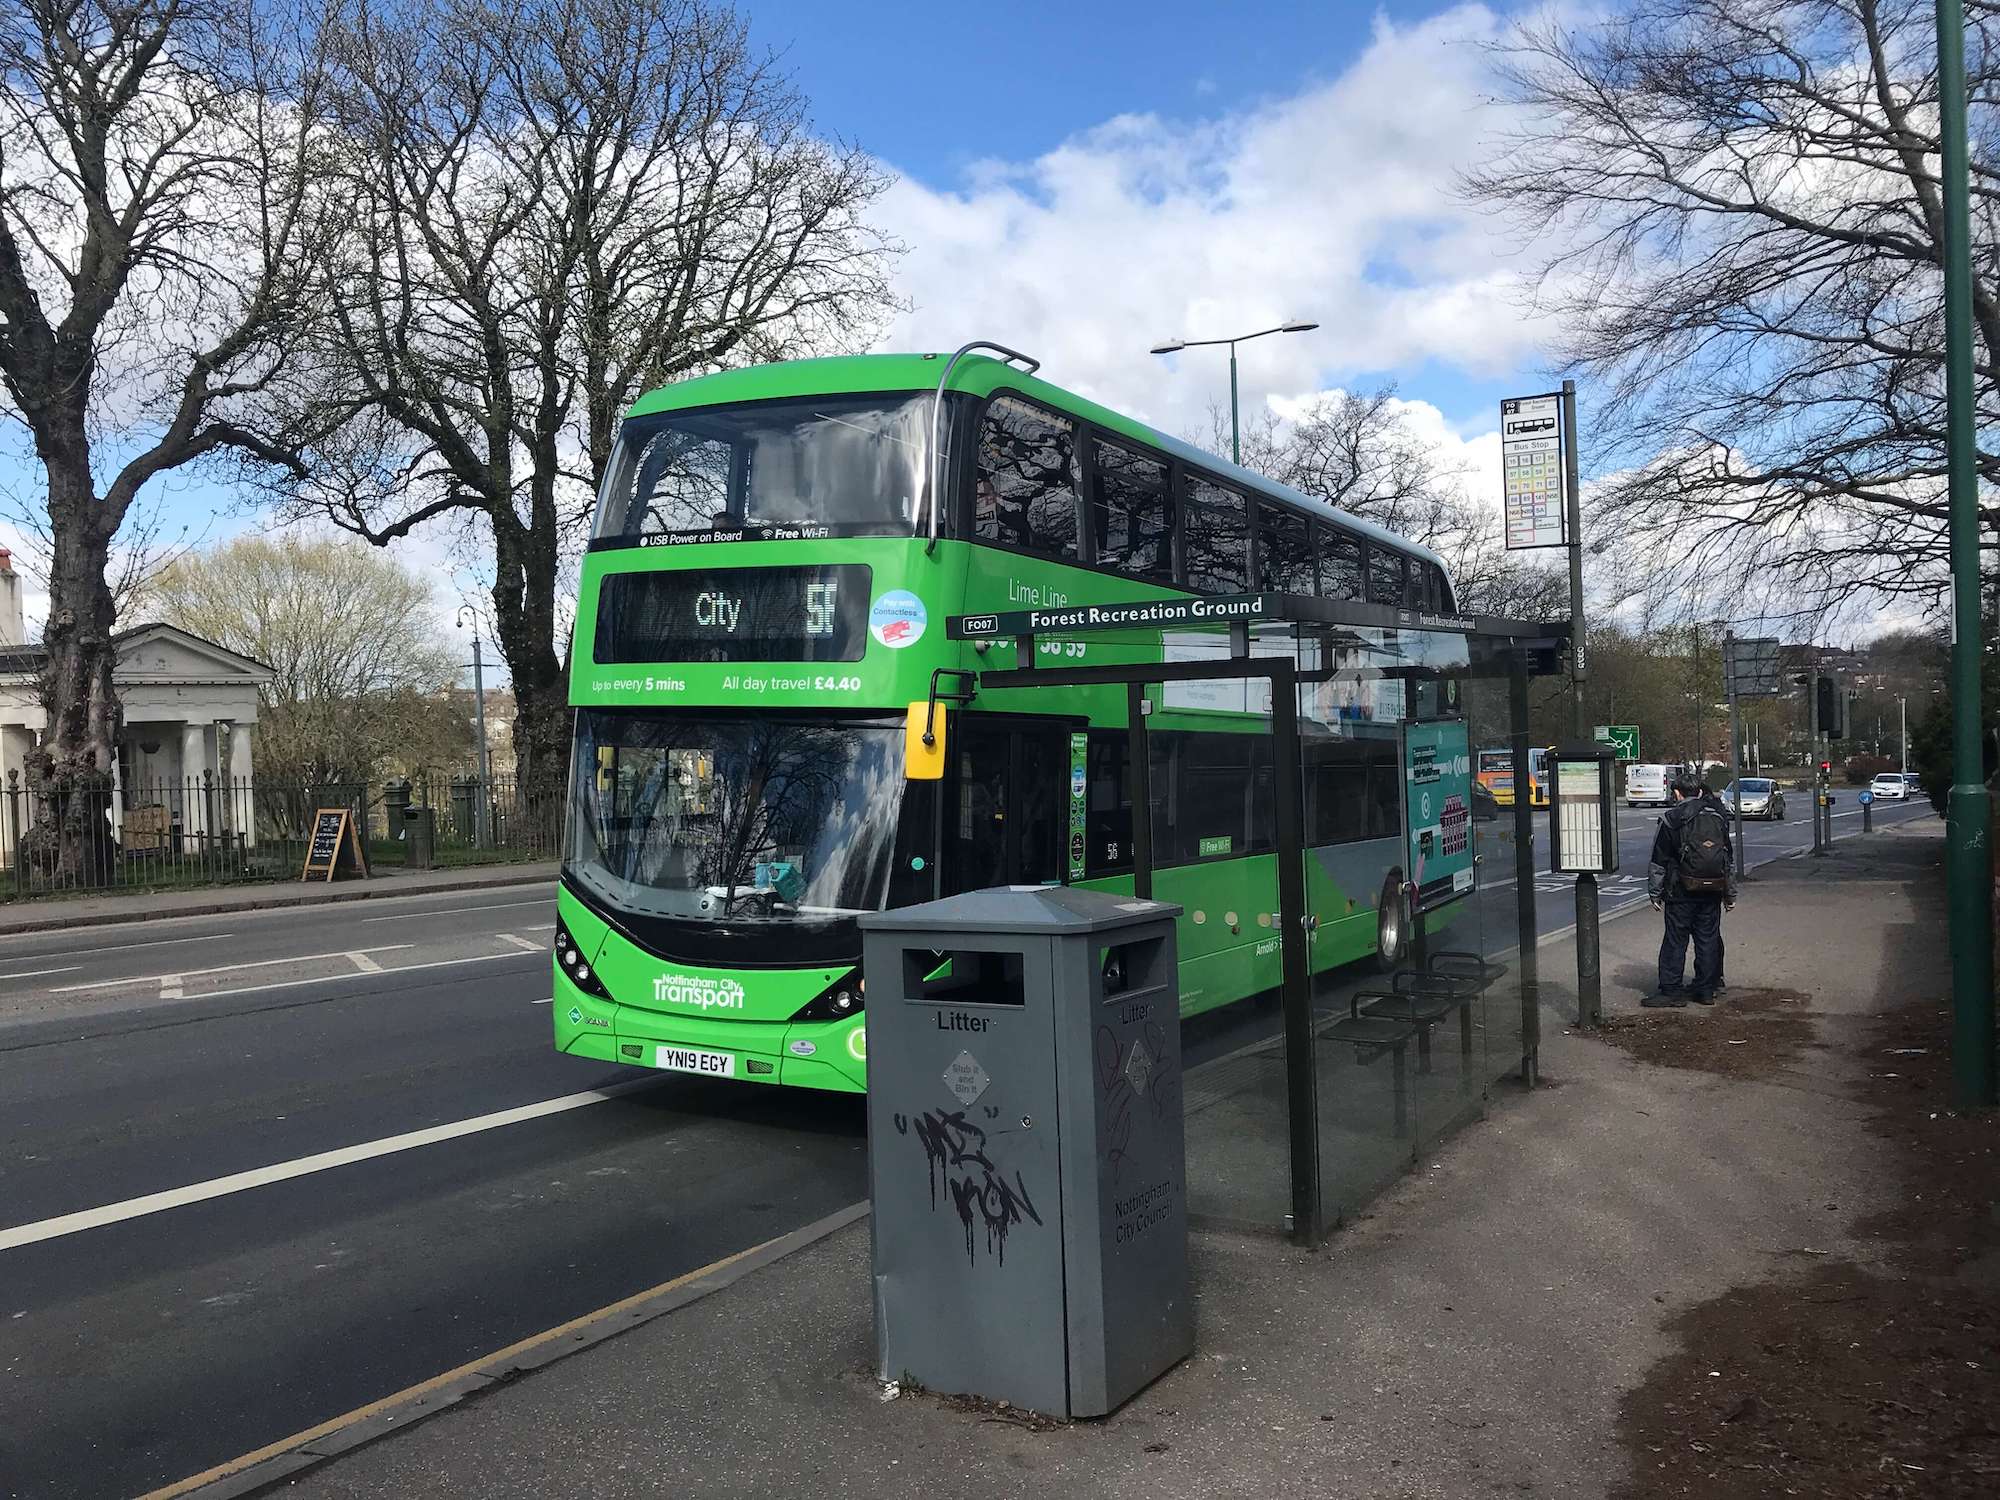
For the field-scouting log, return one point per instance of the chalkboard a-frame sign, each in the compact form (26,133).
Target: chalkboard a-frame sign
(335,846)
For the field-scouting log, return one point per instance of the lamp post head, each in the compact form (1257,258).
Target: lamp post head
(1297,325)
(1169,346)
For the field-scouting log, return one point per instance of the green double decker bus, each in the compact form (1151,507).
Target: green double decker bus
(774,556)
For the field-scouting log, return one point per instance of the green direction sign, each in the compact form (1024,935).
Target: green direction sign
(1624,738)
(1217,609)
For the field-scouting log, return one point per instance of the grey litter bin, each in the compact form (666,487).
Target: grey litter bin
(420,837)
(1026,1156)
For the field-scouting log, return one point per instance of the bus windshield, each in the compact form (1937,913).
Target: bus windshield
(832,465)
(766,820)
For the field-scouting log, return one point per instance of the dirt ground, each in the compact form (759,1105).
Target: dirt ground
(1839,1379)
(1750,1033)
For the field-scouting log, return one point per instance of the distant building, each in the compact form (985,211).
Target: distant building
(189,706)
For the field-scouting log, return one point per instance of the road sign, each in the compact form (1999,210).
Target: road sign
(1750,665)
(1623,738)
(1531,462)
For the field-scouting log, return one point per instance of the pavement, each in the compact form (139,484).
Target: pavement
(1471,1334)
(58,913)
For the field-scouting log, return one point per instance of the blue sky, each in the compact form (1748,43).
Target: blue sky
(912,85)
(909,81)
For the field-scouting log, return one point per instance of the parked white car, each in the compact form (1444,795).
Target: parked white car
(1890,787)
(1648,784)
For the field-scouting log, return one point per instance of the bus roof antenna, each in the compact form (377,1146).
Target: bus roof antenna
(1012,356)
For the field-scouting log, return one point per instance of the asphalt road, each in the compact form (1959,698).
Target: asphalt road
(141,1059)
(144,1341)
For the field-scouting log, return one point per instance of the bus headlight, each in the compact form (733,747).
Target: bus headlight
(839,1000)
(575,967)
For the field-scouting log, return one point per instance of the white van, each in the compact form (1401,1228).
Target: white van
(1648,784)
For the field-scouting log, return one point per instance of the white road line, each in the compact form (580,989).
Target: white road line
(364,963)
(170,987)
(387,972)
(550,1001)
(452,911)
(262,963)
(304,1166)
(539,927)
(209,937)
(35,973)
(519,942)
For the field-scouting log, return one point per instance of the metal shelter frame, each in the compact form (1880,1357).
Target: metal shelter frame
(1518,640)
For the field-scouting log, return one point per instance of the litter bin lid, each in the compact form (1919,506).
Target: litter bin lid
(1022,908)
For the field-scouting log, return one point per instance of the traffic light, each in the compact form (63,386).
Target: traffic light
(1832,709)
(1826,768)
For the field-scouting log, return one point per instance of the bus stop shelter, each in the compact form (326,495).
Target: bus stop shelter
(1296,1119)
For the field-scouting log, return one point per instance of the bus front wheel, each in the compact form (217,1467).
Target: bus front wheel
(1392,923)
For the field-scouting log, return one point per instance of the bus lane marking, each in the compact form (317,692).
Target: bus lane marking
(185,974)
(305,1166)
(453,911)
(519,942)
(207,937)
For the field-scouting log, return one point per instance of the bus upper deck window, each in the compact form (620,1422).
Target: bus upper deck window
(1284,551)
(1131,521)
(1026,491)
(851,462)
(1217,526)
(1339,563)
(1385,576)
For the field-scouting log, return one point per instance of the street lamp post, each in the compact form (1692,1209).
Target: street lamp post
(1174,346)
(485,800)
(1969,857)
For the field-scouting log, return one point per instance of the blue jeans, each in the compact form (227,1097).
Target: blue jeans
(1699,918)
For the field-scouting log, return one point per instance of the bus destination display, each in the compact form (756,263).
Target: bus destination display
(734,614)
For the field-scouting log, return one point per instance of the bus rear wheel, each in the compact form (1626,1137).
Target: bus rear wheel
(1392,923)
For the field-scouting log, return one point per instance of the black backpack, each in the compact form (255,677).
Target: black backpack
(1704,857)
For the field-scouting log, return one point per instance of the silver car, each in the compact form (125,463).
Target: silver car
(1761,797)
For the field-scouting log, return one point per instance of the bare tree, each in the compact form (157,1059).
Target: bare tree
(362,671)
(555,205)
(1736,207)
(154,161)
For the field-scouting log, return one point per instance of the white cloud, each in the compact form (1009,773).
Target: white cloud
(1334,205)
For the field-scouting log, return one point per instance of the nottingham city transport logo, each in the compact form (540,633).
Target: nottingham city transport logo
(897,619)
(699,991)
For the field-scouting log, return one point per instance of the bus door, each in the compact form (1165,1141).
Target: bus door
(1007,815)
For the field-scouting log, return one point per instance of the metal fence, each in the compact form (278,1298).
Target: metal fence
(208,829)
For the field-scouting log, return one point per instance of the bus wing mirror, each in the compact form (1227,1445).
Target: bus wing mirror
(923,741)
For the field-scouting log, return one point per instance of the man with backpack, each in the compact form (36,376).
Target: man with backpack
(1692,878)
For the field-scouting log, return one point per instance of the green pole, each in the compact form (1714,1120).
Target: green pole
(1969,859)
(1235,446)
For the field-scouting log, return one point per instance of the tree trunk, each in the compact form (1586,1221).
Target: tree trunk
(70,770)
(524,614)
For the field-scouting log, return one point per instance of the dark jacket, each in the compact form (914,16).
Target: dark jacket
(1663,874)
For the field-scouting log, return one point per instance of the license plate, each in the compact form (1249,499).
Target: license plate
(693,1060)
